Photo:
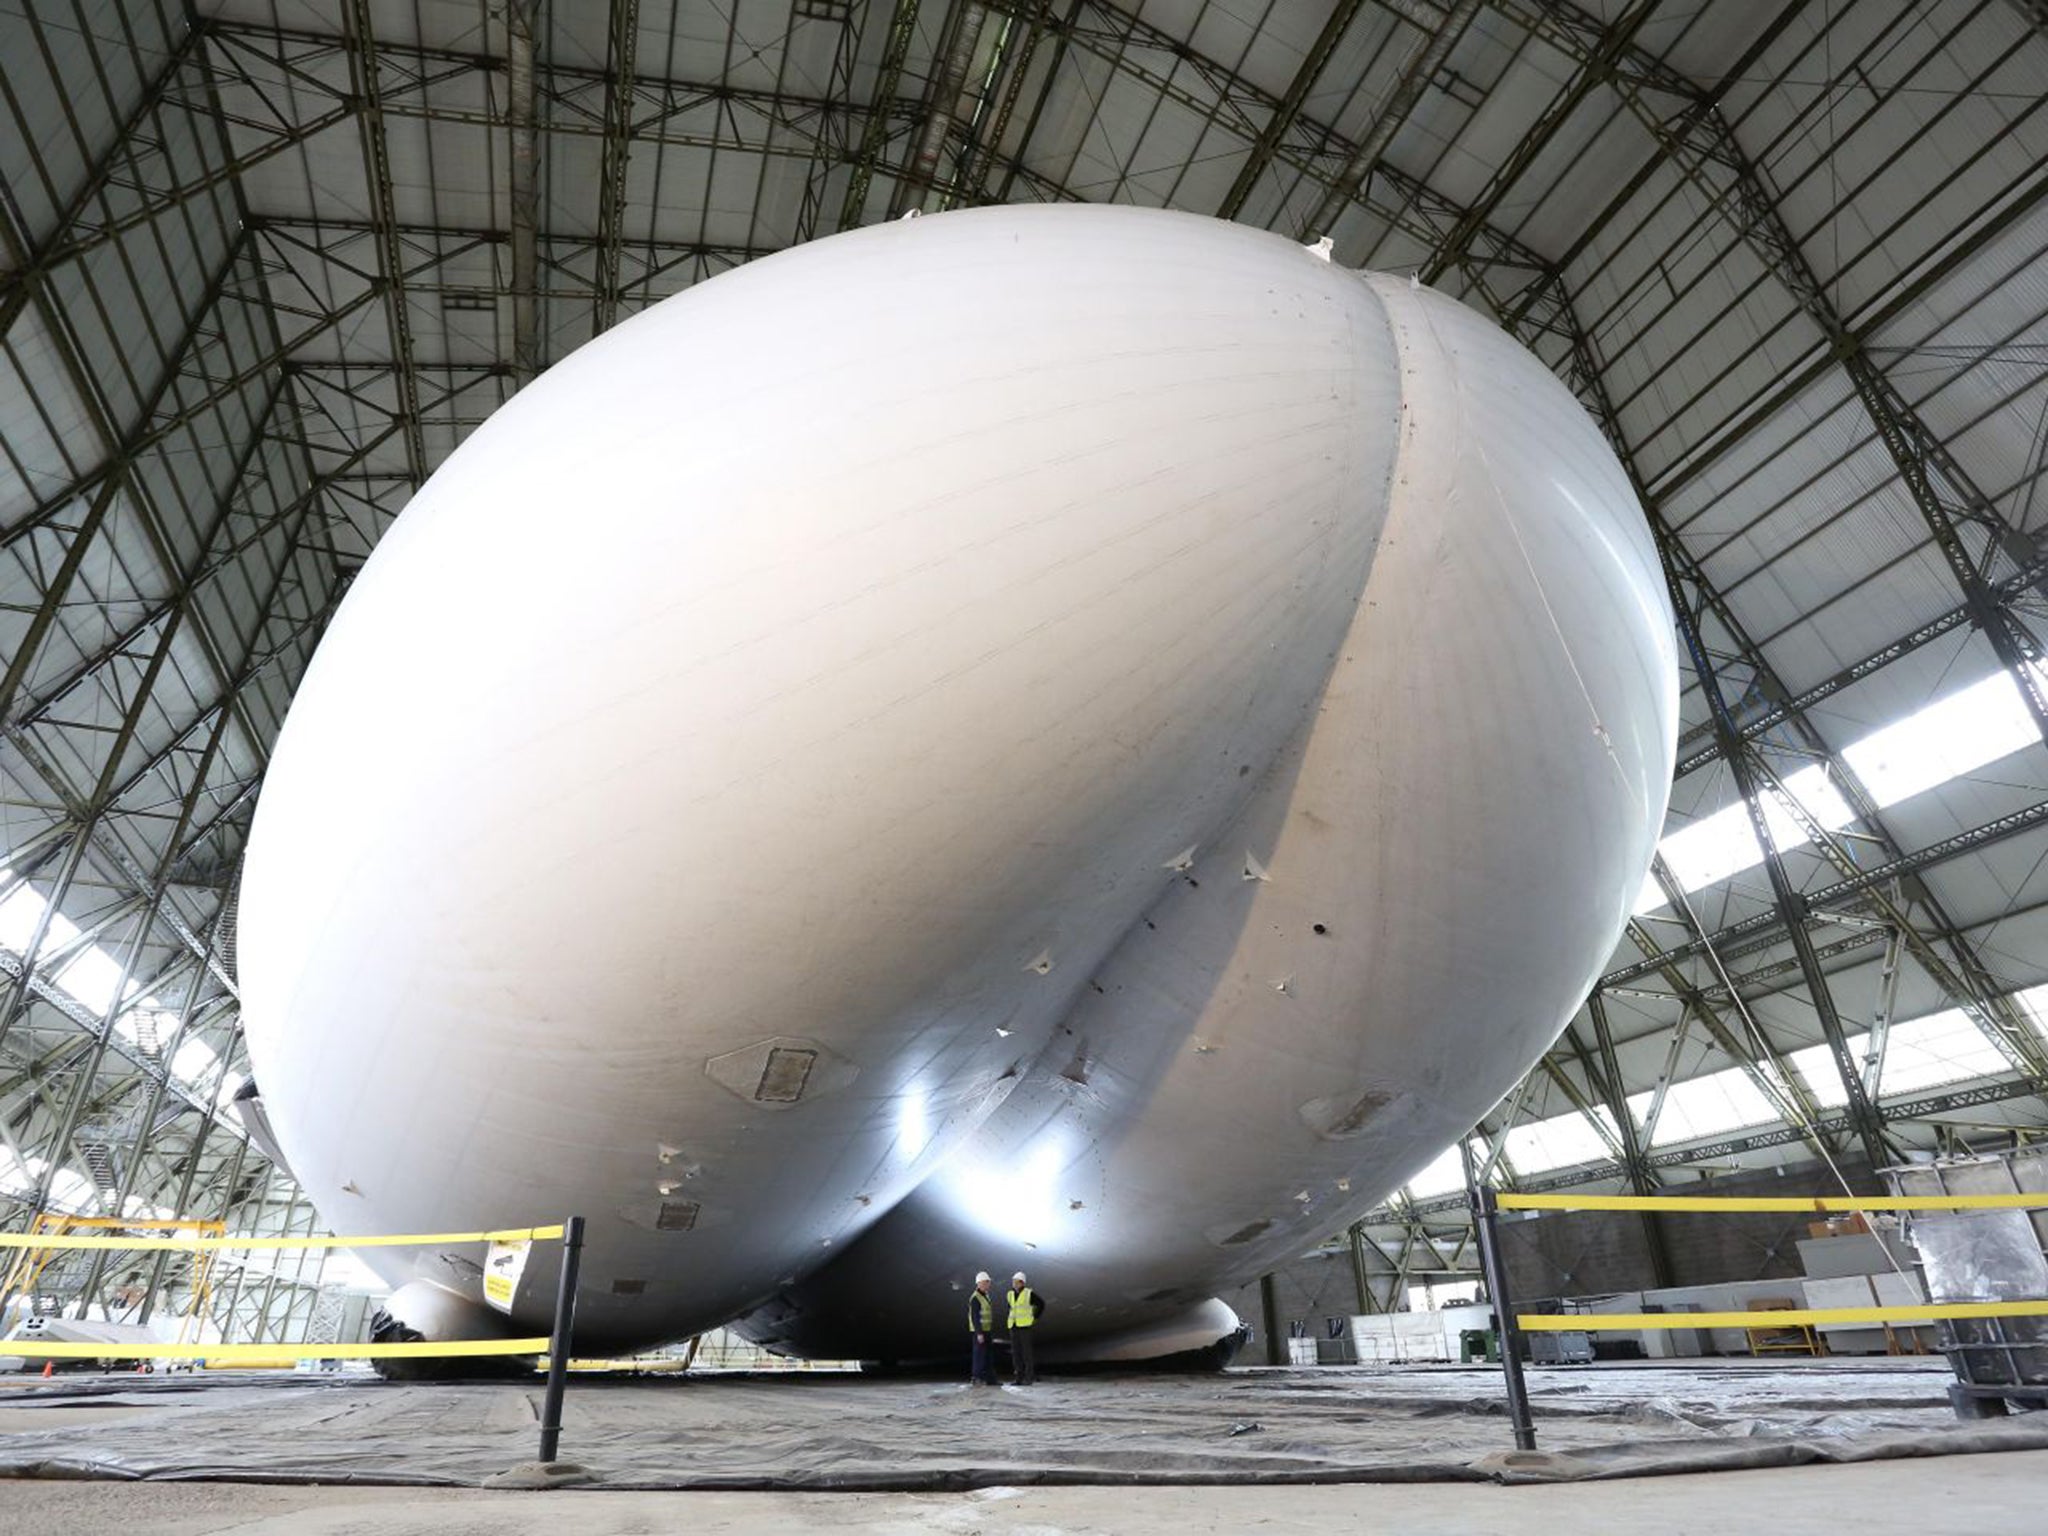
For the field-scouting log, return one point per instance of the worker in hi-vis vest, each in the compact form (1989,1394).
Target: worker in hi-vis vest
(1025,1310)
(981,1325)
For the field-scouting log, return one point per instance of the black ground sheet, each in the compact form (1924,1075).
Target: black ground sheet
(803,1430)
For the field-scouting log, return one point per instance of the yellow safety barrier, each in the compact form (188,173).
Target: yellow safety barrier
(220,1244)
(1789,1317)
(1488,1202)
(258,1353)
(554,1349)
(1821,1203)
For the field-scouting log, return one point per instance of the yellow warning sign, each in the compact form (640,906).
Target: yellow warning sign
(503,1266)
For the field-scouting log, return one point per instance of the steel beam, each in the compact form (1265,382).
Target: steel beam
(1313,63)
(622,37)
(1423,66)
(521,18)
(874,141)
(1700,143)
(1977,838)
(1791,906)
(50,252)
(1594,70)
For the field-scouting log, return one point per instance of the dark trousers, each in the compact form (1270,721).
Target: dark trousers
(1024,1362)
(984,1367)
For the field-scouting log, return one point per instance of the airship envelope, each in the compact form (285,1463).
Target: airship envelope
(1075,739)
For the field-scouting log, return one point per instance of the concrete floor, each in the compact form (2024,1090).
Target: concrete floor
(1983,1495)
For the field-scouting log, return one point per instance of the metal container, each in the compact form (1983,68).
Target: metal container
(1985,1256)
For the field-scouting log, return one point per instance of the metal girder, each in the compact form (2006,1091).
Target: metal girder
(146,1126)
(1060,32)
(939,122)
(1422,67)
(369,91)
(1865,328)
(120,155)
(1994,831)
(152,429)
(1761,716)
(1791,908)
(1698,140)
(1594,70)
(26,273)
(1973,988)
(523,174)
(874,140)
(1313,63)
(88,1073)
(107,790)
(985,151)
(103,483)
(1763,1065)
(834,142)
(1614,1089)
(622,35)
(1921,1107)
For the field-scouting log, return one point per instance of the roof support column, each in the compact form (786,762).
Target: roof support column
(618,142)
(362,65)
(1641,1180)
(1792,909)
(521,17)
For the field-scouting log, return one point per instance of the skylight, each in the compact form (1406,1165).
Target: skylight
(1723,844)
(1952,736)
(1705,1106)
(1929,1052)
(19,914)
(1947,739)
(1563,1141)
(1442,1177)
(92,977)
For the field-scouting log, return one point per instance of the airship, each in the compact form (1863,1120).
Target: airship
(1083,740)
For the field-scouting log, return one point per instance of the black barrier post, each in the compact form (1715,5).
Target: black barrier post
(1483,1211)
(560,1341)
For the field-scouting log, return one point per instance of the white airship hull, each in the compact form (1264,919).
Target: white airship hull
(1080,736)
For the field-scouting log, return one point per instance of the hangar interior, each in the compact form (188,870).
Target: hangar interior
(268,262)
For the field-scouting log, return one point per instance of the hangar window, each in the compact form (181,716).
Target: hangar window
(1949,738)
(1955,735)
(1706,1106)
(1724,844)
(1563,1141)
(1929,1052)
(92,979)
(1442,1177)
(1431,1295)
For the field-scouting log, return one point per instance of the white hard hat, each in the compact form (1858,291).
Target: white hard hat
(1017,1278)
(981,1277)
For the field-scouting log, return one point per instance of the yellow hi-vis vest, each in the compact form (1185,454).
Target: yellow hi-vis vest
(981,1312)
(1023,1312)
